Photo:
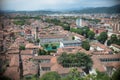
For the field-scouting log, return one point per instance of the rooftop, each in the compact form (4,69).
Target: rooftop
(26,52)
(71,41)
(13,73)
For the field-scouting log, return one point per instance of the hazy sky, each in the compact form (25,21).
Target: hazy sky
(54,4)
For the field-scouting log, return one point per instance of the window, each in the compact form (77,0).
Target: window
(110,59)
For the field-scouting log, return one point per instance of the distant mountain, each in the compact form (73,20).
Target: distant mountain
(113,9)
(109,10)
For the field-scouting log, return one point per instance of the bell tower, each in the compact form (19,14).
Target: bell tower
(36,32)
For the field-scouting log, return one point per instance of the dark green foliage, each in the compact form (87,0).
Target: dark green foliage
(42,52)
(116,75)
(46,45)
(21,47)
(109,42)
(102,37)
(54,47)
(65,25)
(73,75)
(113,40)
(75,60)
(19,22)
(4,78)
(90,34)
(86,45)
(85,31)
(118,42)
(38,40)
(78,30)
(73,38)
(51,76)
(102,76)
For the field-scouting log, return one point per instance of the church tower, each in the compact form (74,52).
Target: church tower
(36,33)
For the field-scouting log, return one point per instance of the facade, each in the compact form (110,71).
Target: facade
(49,63)
(50,39)
(71,43)
(106,63)
(13,71)
(79,22)
(116,27)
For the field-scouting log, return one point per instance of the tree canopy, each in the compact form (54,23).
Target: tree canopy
(91,34)
(51,76)
(75,60)
(86,45)
(116,75)
(21,47)
(102,37)
(113,40)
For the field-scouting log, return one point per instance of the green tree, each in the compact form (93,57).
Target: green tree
(73,38)
(91,34)
(75,60)
(85,31)
(46,45)
(5,78)
(38,40)
(51,76)
(62,58)
(98,76)
(118,42)
(54,47)
(42,52)
(78,30)
(113,39)
(102,37)
(21,47)
(109,42)
(73,75)
(116,75)
(102,76)
(86,45)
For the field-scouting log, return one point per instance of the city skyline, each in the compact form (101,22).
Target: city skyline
(58,5)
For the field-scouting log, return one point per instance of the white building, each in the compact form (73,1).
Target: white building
(79,22)
(70,43)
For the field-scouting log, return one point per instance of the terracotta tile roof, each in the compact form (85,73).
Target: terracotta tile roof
(54,66)
(12,72)
(14,46)
(72,50)
(26,57)
(105,48)
(29,66)
(26,52)
(31,46)
(51,36)
(15,51)
(98,65)
(14,60)
(43,57)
